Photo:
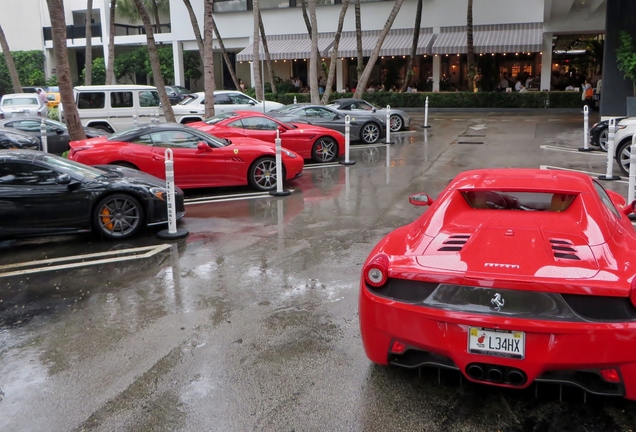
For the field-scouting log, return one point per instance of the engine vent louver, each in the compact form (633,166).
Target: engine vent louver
(564,249)
(454,243)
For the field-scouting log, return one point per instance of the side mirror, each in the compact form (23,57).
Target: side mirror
(64,179)
(281,129)
(420,199)
(252,103)
(203,146)
(59,131)
(337,117)
(373,110)
(629,209)
(617,199)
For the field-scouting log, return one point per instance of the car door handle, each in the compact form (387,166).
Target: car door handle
(157,158)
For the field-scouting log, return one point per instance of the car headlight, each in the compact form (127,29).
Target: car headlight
(288,153)
(594,125)
(620,127)
(159,192)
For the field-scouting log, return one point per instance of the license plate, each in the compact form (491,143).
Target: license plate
(500,343)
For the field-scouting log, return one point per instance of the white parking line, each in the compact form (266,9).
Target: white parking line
(229,198)
(593,174)
(366,146)
(321,165)
(81,260)
(570,150)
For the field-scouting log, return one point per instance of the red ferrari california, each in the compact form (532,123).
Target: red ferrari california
(311,142)
(200,160)
(512,276)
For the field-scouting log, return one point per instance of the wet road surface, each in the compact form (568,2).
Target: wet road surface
(251,322)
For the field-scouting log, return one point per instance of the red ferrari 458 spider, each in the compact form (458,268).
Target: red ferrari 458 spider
(200,160)
(512,276)
(311,142)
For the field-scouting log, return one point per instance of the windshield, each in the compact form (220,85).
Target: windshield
(20,101)
(119,135)
(517,200)
(287,108)
(63,164)
(188,99)
(219,117)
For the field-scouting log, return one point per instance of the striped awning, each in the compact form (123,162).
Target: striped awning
(289,47)
(397,42)
(499,38)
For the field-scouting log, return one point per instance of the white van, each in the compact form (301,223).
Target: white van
(115,108)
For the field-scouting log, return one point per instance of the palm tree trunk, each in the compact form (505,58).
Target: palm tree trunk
(416,38)
(88,68)
(195,28)
(154,62)
(308,25)
(313,70)
(256,67)
(155,8)
(228,63)
(15,79)
(360,66)
(470,49)
(334,52)
(58,30)
(110,68)
(364,78)
(208,59)
(268,59)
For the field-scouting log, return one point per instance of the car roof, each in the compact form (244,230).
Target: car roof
(20,95)
(523,179)
(349,100)
(115,87)
(17,154)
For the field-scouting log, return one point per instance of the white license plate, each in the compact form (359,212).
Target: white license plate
(500,343)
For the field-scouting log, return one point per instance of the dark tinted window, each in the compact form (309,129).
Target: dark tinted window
(121,99)
(606,199)
(149,98)
(515,200)
(221,99)
(22,173)
(236,124)
(175,139)
(259,123)
(230,5)
(91,100)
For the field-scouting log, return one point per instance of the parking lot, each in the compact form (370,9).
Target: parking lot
(250,323)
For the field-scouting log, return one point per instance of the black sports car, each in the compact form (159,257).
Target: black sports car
(599,133)
(57,136)
(364,127)
(43,194)
(13,139)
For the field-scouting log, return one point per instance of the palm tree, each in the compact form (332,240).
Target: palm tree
(58,30)
(416,38)
(470,49)
(110,67)
(313,70)
(88,68)
(334,52)
(208,58)
(360,66)
(268,59)
(128,8)
(364,78)
(15,79)
(303,3)
(255,54)
(230,66)
(154,62)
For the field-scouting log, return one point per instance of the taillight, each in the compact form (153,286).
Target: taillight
(632,294)
(397,347)
(1,116)
(376,272)
(610,375)
(40,113)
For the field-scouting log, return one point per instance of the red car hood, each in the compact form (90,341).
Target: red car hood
(90,142)
(511,252)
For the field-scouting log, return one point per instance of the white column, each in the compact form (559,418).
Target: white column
(339,76)
(104,16)
(177,53)
(437,71)
(546,61)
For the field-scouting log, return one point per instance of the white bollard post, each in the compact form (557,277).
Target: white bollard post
(135,119)
(586,130)
(388,125)
(347,140)
(388,165)
(279,169)
(426,126)
(632,171)
(44,139)
(295,101)
(172,232)
(609,173)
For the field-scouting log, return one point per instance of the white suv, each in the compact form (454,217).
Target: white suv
(192,108)
(625,129)
(114,108)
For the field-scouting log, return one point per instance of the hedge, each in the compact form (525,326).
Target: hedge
(453,99)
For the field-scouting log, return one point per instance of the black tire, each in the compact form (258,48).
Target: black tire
(370,133)
(125,165)
(396,122)
(603,138)
(262,174)
(622,155)
(118,216)
(324,150)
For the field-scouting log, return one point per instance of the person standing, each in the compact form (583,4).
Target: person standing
(43,96)
(588,95)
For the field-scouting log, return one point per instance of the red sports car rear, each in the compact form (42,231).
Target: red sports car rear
(511,277)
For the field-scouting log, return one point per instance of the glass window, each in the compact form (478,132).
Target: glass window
(64,164)
(230,5)
(240,99)
(515,200)
(121,99)
(143,139)
(149,98)
(221,99)
(187,100)
(175,139)
(20,173)
(606,199)
(361,106)
(319,112)
(34,126)
(91,100)
(219,117)
(273,4)
(236,124)
(20,101)
(259,123)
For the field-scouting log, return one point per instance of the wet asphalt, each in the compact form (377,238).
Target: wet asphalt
(250,323)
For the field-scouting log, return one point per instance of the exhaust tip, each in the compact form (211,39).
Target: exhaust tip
(475,372)
(516,377)
(495,374)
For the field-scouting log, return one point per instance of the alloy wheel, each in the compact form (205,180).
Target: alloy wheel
(264,174)
(325,150)
(603,139)
(118,216)
(370,133)
(396,122)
